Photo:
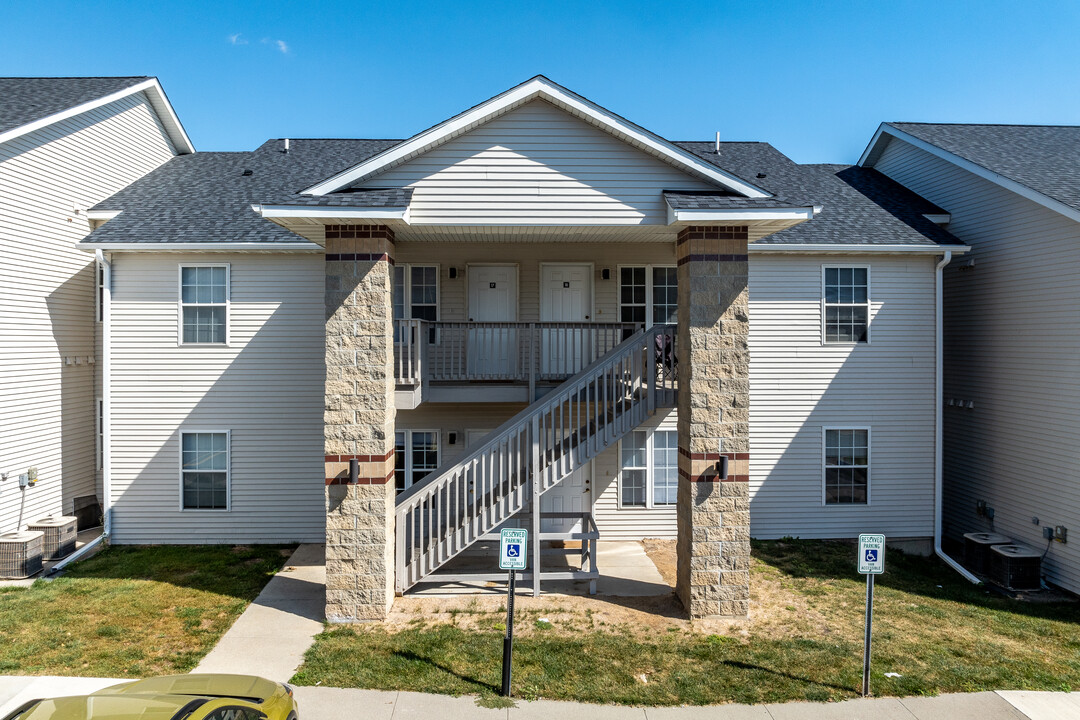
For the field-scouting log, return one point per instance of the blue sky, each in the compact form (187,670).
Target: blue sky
(812,78)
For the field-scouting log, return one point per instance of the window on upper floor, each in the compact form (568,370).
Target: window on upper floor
(204,304)
(204,470)
(648,295)
(416,292)
(649,468)
(847,466)
(416,454)
(846,305)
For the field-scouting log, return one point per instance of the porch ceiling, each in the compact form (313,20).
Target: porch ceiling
(313,229)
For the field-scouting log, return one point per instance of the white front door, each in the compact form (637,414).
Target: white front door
(492,351)
(566,296)
(571,495)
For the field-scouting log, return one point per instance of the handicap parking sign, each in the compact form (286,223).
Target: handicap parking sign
(513,548)
(871,554)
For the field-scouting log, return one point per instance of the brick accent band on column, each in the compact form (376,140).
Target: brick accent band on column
(358,257)
(361,480)
(350,232)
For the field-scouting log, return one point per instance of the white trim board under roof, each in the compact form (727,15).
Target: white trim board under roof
(886,131)
(538,87)
(154,94)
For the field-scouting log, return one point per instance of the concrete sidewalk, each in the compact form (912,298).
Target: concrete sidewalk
(317,703)
(270,638)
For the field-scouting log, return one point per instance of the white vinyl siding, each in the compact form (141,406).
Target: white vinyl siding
(48,351)
(798,386)
(1012,339)
(537,164)
(266,387)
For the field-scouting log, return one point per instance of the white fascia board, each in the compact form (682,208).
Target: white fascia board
(103,215)
(538,87)
(734,215)
(938,218)
(304,211)
(201,247)
(154,93)
(816,248)
(973,168)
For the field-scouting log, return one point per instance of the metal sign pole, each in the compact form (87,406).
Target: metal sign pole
(508,640)
(866,639)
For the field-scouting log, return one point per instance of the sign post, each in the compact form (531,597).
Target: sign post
(871,563)
(513,551)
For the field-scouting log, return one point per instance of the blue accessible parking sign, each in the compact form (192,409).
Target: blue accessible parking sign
(513,548)
(871,554)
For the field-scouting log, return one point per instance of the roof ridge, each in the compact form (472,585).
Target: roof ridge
(75,77)
(961,124)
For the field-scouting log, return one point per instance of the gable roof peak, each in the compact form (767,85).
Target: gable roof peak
(538,87)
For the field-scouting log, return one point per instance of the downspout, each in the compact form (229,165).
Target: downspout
(106,399)
(938,429)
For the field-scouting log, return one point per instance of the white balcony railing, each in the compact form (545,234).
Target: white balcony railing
(508,352)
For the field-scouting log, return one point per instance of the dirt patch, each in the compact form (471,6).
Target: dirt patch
(662,553)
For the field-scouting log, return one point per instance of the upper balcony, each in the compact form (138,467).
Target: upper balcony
(499,361)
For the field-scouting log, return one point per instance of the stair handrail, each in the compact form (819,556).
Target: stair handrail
(500,433)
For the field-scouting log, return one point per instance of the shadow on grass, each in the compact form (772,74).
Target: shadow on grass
(739,665)
(411,656)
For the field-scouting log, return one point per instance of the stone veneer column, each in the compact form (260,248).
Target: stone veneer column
(714,403)
(359,422)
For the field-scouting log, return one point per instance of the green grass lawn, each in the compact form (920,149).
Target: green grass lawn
(803,642)
(132,611)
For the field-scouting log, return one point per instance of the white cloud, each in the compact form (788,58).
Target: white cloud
(282,46)
(235,39)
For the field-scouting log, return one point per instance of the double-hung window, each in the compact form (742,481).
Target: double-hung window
(204,304)
(649,469)
(846,305)
(416,454)
(648,295)
(847,466)
(204,470)
(415,295)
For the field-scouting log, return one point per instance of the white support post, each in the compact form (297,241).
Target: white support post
(536,506)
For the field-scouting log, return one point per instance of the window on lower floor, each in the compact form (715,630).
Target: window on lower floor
(204,463)
(416,454)
(649,468)
(847,466)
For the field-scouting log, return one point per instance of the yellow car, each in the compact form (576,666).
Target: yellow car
(174,697)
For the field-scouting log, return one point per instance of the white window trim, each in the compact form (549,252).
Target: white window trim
(649,431)
(228,467)
(869,304)
(648,287)
(869,464)
(408,452)
(99,291)
(407,297)
(180,304)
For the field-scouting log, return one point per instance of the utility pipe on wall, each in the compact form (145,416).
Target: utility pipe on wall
(938,429)
(106,401)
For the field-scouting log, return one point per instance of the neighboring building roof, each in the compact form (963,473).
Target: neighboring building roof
(351,197)
(857,205)
(207,198)
(33,102)
(1044,159)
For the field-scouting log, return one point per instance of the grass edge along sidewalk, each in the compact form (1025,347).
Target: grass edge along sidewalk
(132,611)
(938,632)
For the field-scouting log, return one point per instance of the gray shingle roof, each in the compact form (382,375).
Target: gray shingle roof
(24,100)
(206,197)
(858,205)
(1045,158)
(352,197)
